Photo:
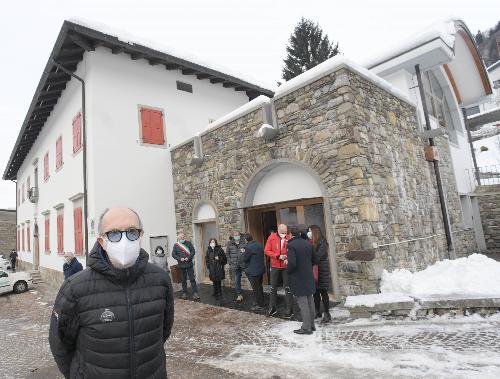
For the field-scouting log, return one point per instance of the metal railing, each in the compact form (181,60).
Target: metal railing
(489,174)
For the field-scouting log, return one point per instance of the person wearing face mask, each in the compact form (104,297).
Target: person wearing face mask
(320,254)
(276,249)
(71,265)
(215,260)
(235,248)
(97,326)
(183,252)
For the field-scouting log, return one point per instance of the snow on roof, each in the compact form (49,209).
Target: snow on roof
(480,114)
(485,131)
(445,30)
(332,65)
(130,39)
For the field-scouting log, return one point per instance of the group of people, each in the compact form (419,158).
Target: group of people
(299,261)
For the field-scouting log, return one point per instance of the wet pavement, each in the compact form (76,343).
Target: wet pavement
(215,342)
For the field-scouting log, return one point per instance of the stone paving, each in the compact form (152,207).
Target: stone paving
(214,342)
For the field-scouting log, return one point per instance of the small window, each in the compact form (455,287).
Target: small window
(152,126)
(77,133)
(59,160)
(472,110)
(46,167)
(186,87)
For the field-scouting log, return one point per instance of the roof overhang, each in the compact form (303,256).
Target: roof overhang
(71,44)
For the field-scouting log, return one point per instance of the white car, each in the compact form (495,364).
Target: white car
(15,281)
(5,264)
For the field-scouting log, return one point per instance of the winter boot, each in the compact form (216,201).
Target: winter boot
(326,318)
(196,296)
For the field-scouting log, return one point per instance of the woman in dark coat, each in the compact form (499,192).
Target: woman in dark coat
(320,252)
(215,260)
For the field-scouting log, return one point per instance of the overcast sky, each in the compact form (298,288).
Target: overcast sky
(246,36)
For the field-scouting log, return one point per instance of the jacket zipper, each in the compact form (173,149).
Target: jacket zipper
(131,331)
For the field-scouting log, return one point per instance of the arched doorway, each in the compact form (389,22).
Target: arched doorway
(287,192)
(205,227)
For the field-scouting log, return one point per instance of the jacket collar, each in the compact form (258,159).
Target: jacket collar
(99,261)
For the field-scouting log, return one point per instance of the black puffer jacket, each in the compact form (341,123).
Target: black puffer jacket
(215,267)
(111,323)
(320,253)
(234,254)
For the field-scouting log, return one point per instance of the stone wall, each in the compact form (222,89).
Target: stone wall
(363,143)
(489,208)
(8,237)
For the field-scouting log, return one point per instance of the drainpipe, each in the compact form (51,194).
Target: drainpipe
(84,148)
(442,200)
(17,242)
(476,170)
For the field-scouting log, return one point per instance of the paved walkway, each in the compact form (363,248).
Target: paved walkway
(214,342)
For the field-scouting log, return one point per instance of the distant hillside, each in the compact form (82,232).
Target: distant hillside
(487,44)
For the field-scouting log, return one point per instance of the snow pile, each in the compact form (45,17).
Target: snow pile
(472,277)
(372,300)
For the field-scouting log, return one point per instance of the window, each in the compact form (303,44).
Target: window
(18,239)
(77,133)
(46,167)
(472,110)
(186,87)
(18,197)
(59,160)
(152,126)
(47,234)
(437,106)
(23,237)
(23,193)
(28,186)
(28,236)
(77,216)
(60,231)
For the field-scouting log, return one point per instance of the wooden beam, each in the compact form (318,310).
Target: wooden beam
(155,61)
(228,85)
(252,94)
(117,50)
(216,80)
(203,76)
(44,107)
(82,42)
(57,81)
(55,87)
(240,88)
(69,62)
(69,52)
(171,66)
(58,75)
(188,71)
(136,56)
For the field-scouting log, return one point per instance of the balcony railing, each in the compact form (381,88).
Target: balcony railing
(488,175)
(33,194)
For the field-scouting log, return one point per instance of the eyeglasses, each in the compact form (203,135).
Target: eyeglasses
(116,235)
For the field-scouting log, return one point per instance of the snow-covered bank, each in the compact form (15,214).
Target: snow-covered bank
(472,277)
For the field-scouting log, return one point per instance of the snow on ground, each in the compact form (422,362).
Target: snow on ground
(470,277)
(347,351)
(372,300)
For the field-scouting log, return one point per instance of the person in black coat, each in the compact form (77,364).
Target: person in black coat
(13,260)
(183,252)
(320,254)
(71,266)
(253,258)
(215,260)
(112,319)
(300,262)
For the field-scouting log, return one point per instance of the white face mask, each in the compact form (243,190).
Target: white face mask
(123,253)
(309,234)
(212,245)
(282,235)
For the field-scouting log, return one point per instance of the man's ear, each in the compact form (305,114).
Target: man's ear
(101,241)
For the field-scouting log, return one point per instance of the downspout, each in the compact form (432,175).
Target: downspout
(469,137)
(442,200)
(17,242)
(84,148)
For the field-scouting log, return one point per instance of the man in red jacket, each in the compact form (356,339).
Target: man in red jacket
(276,249)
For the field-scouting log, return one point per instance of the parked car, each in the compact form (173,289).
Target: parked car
(15,281)
(5,264)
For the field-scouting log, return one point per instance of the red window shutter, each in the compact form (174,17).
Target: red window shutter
(23,238)
(46,166)
(77,213)
(28,238)
(77,133)
(59,152)
(152,126)
(60,233)
(47,234)
(18,239)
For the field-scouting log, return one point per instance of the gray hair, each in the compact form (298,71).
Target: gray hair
(101,231)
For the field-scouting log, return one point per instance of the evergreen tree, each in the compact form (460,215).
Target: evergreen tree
(307,47)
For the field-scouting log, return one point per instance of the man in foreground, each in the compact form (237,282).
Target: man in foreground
(112,319)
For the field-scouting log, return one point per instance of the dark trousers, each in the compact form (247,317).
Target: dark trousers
(13,265)
(217,287)
(278,274)
(258,291)
(306,305)
(321,295)
(188,273)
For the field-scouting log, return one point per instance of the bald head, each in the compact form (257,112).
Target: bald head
(282,229)
(119,219)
